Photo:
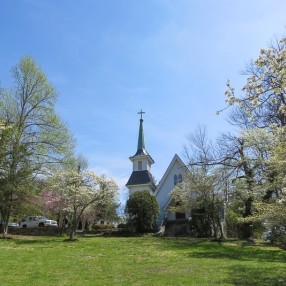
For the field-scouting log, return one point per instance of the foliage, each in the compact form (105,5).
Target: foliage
(232,222)
(142,209)
(264,93)
(253,157)
(263,104)
(102,227)
(198,194)
(278,154)
(78,193)
(33,139)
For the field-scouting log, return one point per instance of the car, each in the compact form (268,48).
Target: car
(10,224)
(13,224)
(38,221)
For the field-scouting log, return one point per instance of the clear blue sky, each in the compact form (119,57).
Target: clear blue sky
(108,59)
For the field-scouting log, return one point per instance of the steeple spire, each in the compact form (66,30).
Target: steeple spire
(141,143)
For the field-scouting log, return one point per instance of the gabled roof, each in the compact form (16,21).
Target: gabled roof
(140,178)
(181,163)
(160,187)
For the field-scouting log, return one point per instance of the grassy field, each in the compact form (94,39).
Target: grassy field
(138,261)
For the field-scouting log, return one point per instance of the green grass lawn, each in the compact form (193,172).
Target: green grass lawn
(138,261)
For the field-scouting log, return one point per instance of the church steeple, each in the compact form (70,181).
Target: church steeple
(141,143)
(141,178)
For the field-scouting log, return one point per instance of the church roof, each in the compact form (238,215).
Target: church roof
(141,152)
(181,165)
(140,178)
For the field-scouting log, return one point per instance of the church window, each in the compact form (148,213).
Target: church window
(180,179)
(139,165)
(175,180)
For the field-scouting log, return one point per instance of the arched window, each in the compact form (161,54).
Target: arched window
(180,178)
(175,180)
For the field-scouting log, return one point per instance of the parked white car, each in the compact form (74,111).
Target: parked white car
(10,224)
(13,224)
(37,221)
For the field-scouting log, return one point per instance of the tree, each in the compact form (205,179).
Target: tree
(261,114)
(272,210)
(278,152)
(76,192)
(142,209)
(237,162)
(200,194)
(35,139)
(264,94)
(105,207)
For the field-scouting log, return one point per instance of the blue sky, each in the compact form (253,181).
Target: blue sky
(110,59)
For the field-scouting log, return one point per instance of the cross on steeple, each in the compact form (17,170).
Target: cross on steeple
(141,113)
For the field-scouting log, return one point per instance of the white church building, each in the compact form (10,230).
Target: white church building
(142,179)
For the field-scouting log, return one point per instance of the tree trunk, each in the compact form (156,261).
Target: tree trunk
(72,234)
(5,217)
(73,228)
(248,226)
(222,232)
(214,229)
(62,223)
(5,229)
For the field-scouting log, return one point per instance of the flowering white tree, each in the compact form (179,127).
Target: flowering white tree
(261,111)
(105,207)
(264,94)
(76,191)
(200,194)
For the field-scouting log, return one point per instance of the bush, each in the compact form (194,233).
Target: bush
(276,234)
(102,226)
(142,209)
(122,225)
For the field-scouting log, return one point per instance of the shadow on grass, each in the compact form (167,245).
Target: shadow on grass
(263,264)
(256,276)
(35,240)
(241,253)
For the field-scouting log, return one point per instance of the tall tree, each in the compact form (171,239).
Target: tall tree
(262,105)
(37,139)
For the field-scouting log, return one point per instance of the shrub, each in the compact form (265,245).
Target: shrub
(102,226)
(142,209)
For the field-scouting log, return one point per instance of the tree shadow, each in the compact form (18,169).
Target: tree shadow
(261,265)
(241,253)
(34,240)
(255,276)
